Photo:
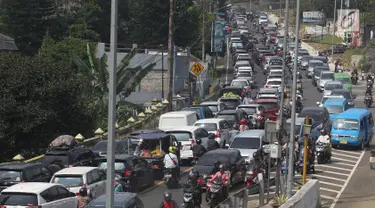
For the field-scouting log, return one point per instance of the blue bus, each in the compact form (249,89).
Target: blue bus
(353,127)
(335,106)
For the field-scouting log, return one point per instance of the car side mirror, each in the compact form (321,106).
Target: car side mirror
(226,146)
(318,103)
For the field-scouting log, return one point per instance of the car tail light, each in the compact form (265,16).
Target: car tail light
(77,194)
(128,173)
(267,86)
(2,206)
(21,182)
(218,133)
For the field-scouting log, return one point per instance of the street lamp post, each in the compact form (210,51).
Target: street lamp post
(162,71)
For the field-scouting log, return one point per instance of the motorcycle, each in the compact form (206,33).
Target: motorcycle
(260,122)
(368,100)
(309,163)
(370,83)
(190,200)
(170,179)
(252,174)
(354,79)
(363,75)
(322,152)
(214,193)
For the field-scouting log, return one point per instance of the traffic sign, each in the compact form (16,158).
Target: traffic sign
(197,68)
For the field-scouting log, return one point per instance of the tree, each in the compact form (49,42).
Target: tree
(187,23)
(27,22)
(81,31)
(40,100)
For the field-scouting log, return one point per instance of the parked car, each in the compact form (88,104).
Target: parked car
(134,171)
(123,200)
(75,177)
(100,148)
(38,194)
(65,157)
(14,173)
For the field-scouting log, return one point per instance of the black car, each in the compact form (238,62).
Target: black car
(100,148)
(234,117)
(320,115)
(123,200)
(346,94)
(14,173)
(233,89)
(134,171)
(67,157)
(232,160)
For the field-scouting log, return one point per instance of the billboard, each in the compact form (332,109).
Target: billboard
(313,17)
(218,38)
(348,20)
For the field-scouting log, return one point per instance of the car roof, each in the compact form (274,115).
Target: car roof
(334,101)
(227,112)
(342,75)
(266,100)
(312,109)
(184,128)
(209,103)
(240,79)
(244,68)
(232,87)
(276,70)
(299,120)
(251,133)
(221,151)
(268,90)
(119,199)
(75,170)
(327,72)
(210,120)
(274,79)
(179,113)
(249,105)
(243,54)
(354,113)
(315,61)
(18,165)
(333,82)
(29,187)
(341,90)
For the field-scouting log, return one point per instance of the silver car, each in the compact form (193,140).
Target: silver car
(331,85)
(248,142)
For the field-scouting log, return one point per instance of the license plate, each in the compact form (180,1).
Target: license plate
(167,176)
(343,142)
(372,159)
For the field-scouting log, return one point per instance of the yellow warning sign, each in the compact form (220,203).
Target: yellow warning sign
(197,68)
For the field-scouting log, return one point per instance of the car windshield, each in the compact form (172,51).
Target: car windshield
(342,93)
(307,58)
(273,73)
(327,76)
(335,109)
(314,64)
(274,82)
(316,115)
(239,83)
(332,86)
(118,166)
(10,175)
(317,72)
(269,105)
(210,159)
(228,117)
(68,180)
(344,80)
(245,143)
(249,110)
(345,124)
(230,103)
(18,199)
(198,110)
(207,126)
(297,129)
(213,108)
(181,136)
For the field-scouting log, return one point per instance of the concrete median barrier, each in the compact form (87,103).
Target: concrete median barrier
(307,197)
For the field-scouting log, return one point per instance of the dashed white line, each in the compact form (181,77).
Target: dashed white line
(331,172)
(347,152)
(337,158)
(333,167)
(329,190)
(327,197)
(326,177)
(345,155)
(330,184)
(347,180)
(345,164)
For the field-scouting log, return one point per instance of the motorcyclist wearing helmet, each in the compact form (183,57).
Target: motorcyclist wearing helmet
(325,139)
(83,198)
(171,161)
(243,125)
(225,179)
(299,103)
(168,202)
(216,167)
(198,148)
(195,184)
(212,144)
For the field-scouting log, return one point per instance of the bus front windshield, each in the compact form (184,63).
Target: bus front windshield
(346,124)
(344,80)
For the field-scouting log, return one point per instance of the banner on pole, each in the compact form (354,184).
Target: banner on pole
(218,36)
(348,20)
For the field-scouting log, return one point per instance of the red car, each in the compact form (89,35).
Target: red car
(271,106)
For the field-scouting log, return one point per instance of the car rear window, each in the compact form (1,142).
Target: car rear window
(269,105)
(249,110)
(55,159)
(68,180)
(207,126)
(118,166)
(181,136)
(10,175)
(18,199)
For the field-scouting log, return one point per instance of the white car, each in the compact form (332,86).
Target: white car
(74,178)
(274,83)
(242,56)
(240,82)
(276,72)
(268,93)
(241,63)
(325,76)
(218,126)
(331,85)
(262,19)
(37,194)
(187,136)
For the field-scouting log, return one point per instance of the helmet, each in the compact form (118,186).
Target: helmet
(83,191)
(221,166)
(193,174)
(172,149)
(211,136)
(243,121)
(322,131)
(167,196)
(198,141)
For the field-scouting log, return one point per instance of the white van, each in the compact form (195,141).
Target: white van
(176,119)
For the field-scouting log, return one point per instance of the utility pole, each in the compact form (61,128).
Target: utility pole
(249,5)
(162,72)
(170,53)
(293,123)
(112,108)
(334,27)
(203,29)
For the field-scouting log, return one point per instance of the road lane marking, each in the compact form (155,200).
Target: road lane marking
(329,190)
(331,172)
(347,181)
(330,184)
(348,152)
(340,159)
(333,167)
(327,197)
(344,155)
(339,163)
(327,177)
